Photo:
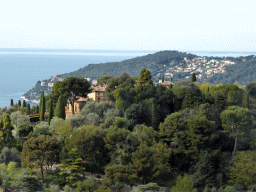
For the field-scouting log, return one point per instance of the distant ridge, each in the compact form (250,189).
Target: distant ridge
(163,63)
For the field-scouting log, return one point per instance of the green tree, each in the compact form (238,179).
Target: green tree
(70,88)
(244,169)
(37,109)
(90,184)
(90,144)
(182,183)
(24,103)
(50,112)
(19,103)
(162,79)
(72,168)
(103,80)
(11,102)
(40,151)
(193,77)
(201,133)
(117,176)
(42,107)
(28,106)
(24,129)
(155,117)
(60,108)
(134,115)
(125,97)
(147,163)
(204,171)
(5,127)
(143,81)
(236,121)
(193,97)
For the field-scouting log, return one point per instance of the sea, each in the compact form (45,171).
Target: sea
(21,69)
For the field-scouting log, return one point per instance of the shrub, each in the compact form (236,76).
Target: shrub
(252,187)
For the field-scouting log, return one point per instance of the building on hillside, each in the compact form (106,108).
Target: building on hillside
(42,83)
(50,84)
(98,94)
(167,84)
(78,106)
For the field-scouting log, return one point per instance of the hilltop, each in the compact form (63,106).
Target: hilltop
(178,65)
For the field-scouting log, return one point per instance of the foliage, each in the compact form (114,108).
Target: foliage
(182,183)
(50,112)
(54,123)
(60,108)
(24,129)
(9,155)
(193,77)
(204,174)
(76,120)
(64,129)
(72,168)
(148,187)
(5,127)
(40,151)
(236,121)
(124,97)
(42,107)
(243,172)
(193,97)
(70,88)
(134,115)
(90,184)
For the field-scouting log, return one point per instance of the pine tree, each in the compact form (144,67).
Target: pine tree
(60,108)
(171,78)
(204,171)
(11,102)
(19,103)
(50,112)
(162,79)
(42,107)
(24,103)
(193,77)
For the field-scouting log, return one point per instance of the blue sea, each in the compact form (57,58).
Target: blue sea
(22,68)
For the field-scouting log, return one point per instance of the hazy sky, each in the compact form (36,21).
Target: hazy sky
(221,25)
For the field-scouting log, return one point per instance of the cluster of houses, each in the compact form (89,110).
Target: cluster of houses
(200,66)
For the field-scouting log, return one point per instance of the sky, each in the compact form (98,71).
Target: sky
(198,25)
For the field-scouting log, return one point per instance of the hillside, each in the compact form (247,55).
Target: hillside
(170,64)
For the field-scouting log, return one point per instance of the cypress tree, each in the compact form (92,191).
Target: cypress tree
(162,79)
(24,103)
(170,87)
(19,103)
(42,107)
(60,108)
(11,102)
(28,106)
(193,77)
(154,117)
(50,112)
(171,78)
(37,109)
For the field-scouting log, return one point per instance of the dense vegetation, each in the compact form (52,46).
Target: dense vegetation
(191,137)
(157,63)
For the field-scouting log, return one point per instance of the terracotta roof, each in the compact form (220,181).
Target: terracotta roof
(167,83)
(99,88)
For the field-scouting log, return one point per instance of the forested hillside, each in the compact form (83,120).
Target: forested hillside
(191,137)
(160,64)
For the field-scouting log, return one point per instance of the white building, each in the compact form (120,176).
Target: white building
(50,84)
(42,83)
